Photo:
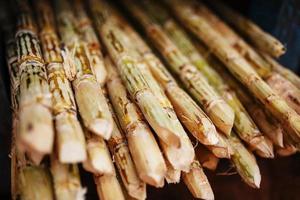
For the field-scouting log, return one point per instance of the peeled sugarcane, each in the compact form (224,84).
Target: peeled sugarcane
(98,160)
(66,181)
(108,188)
(266,123)
(142,145)
(89,97)
(85,28)
(206,158)
(197,182)
(239,67)
(243,124)
(277,82)
(215,107)
(258,37)
(143,88)
(35,118)
(186,109)
(288,74)
(70,139)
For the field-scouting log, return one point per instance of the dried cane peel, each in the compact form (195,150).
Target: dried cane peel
(197,182)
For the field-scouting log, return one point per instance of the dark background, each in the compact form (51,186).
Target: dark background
(280,177)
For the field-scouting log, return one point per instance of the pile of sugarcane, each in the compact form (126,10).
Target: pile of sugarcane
(138,108)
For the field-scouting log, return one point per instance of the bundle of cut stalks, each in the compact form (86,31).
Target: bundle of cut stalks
(144,91)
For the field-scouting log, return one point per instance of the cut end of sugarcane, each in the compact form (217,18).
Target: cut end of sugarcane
(277,138)
(181,161)
(169,138)
(137,191)
(222,115)
(256,181)
(98,166)
(263,147)
(288,150)
(173,176)
(72,152)
(197,182)
(36,128)
(220,152)
(102,128)
(155,180)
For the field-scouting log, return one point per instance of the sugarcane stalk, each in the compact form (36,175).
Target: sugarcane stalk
(119,150)
(36,127)
(258,37)
(288,74)
(206,158)
(239,67)
(243,124)
(87,33)
(108,188)
(244,162)
(70,138)
(35,183)
(141,142)
(126,168)
(197,182)
(187,110)
(66,180)
(99,160)
(282,86)
(266,122)
(215,107)
(88,94)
